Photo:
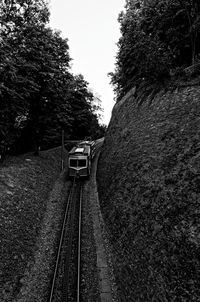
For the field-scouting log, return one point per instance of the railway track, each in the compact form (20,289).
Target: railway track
(66,278)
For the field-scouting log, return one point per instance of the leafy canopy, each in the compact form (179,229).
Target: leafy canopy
(39,95)
(157,37)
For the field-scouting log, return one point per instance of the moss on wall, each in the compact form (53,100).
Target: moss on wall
(149,187)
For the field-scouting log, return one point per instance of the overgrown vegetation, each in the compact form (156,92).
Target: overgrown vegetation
(159,38)
(25,185)
(149,168)
(149,192)
(39,95)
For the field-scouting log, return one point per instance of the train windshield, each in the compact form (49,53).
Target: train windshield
(73,163)
(82,163)
(77,163)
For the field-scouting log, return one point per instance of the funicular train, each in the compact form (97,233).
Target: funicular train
(80,157)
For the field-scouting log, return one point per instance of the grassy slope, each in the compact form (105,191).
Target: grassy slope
(149,185)
(25,183)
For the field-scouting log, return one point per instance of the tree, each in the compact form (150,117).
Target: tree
(50,59)
(34,73)
(38,93)
(85,110)
(156,37)
(81,99)
(177,24)
(15,80)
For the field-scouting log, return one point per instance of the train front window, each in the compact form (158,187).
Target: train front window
(82,163)
(73,163)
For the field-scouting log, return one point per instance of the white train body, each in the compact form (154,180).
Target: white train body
(80,157)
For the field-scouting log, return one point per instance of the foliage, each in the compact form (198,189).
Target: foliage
(148,180)
(25,186)
(85,111)
(39,96)
(156,37)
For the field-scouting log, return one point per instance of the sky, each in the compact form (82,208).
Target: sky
(92,30)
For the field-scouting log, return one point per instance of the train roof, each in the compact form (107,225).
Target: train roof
(87,143)
(80,150)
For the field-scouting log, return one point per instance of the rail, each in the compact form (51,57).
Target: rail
(79,246)
(66,262)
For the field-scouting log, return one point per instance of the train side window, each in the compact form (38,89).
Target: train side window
(82,163)
(73,163)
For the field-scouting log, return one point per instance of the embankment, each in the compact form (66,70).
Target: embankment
(149,189)
(27,211)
